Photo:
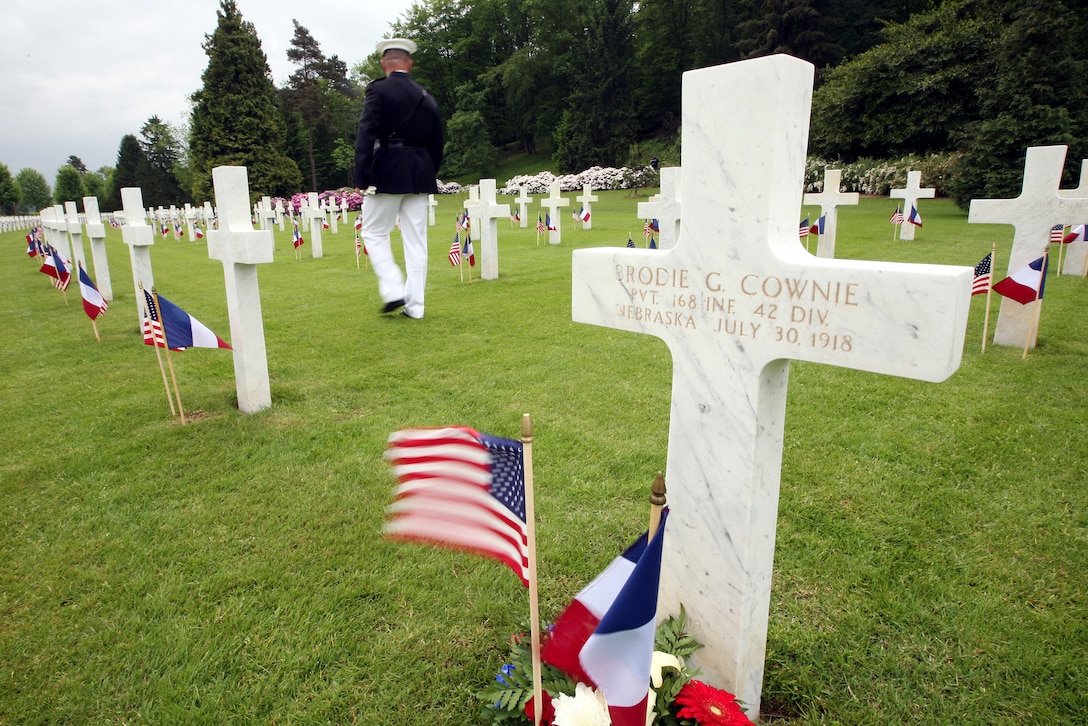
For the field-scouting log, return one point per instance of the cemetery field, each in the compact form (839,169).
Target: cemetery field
(931,548)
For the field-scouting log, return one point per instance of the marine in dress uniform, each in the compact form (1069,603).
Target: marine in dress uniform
(398,151)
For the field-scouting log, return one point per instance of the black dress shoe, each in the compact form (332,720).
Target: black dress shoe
(391,306)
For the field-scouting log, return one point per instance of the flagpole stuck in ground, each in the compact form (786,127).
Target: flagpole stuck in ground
(169,361)
(989,294)
(1033,330)
(158,356)
(534,605)
(657,503)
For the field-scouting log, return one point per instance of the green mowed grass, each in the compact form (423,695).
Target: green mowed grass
(931,544)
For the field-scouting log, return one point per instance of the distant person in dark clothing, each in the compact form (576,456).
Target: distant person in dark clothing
(398,151)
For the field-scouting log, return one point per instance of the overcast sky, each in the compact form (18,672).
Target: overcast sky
(77,75)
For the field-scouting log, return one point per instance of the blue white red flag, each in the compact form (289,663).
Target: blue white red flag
(182,329)
(548,222)
(653,243)
(462,489)
(32,244)
(605,637)
(470,251)
(914,218)
(1026,284)
(358,222)
(62,276)
(297,237)
(1077,233)
(583,214)
(198,231)
(818,228)
(93,302)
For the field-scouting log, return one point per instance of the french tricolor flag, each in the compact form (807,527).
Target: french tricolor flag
(818,228)
(1077,233)
(605,638)
(1026,284)
(914,218)
(182,329)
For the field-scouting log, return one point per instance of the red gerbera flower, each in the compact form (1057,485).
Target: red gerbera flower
(710,706)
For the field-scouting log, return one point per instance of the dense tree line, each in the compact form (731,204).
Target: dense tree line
(592,82)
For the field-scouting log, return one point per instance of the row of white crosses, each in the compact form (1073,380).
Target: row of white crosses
(13,222)
(63,226)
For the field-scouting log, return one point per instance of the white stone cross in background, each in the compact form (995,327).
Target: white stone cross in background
(829,200)
(735,301)
(486,215)
(910,196)
(96,232)
(553,202)
(1038,208)
(523,201)
(139,236)
(1077,253)
(241,248)
(585,201)
(665,208)
(316,216)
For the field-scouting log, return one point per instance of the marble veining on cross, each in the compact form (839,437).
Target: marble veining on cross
(1038,208)
(830,199)
(735,301)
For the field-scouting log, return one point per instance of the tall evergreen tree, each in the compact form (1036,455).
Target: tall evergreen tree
(235,120)
(76,163)
(35,190)
(131,169)
(163,152)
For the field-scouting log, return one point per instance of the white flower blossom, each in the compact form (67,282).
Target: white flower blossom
(586,707)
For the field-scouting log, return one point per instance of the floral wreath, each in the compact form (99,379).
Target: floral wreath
(678,698)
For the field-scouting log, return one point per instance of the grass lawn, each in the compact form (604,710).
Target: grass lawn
(932,539)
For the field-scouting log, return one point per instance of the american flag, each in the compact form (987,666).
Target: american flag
(455,250)
(152,327)
(462,489)
(630,242)
(983,275)
(540,224)
(647,229)
(463,222)
(1057,234)
(804,229)
(897,216)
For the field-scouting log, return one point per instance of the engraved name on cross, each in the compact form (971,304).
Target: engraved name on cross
(829,200)
(1038,208)
(665,208)
(735,301)
(910,196)
(139,236)
(241,248)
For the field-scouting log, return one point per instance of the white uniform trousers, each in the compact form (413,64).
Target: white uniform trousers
(380,213)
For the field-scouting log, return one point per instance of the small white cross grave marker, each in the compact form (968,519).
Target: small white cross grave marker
(665,208)
(1038,208)
(1076,256)
(829,200)
(735,301)
(431,204)
(487,213)
(585,201)
(241,248)
(333,216)
(75,236)
(910,196)
(96,232)
(279,213)
(553,202)
(523,201)
(139,236)
(316,216)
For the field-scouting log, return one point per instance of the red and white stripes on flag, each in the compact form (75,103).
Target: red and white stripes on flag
(461,489)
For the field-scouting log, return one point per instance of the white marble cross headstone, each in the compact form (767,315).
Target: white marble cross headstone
(333,215)
(1038,208)
(75,236)
(735,301)
(829,200)
(665,208)
(523,201)
(316,215)
(585,201)
(1077,253)
(96,232)
(553,202)
(139,236)
(910,196)
(266,215)
(241,248)
(279,213)
(431,204)
(485,214)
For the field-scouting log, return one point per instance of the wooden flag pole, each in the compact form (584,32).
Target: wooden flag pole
(158,356)
(1061,253)
(1034,329)
(989,294)
(657,502)
(534,606)
(169,361)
